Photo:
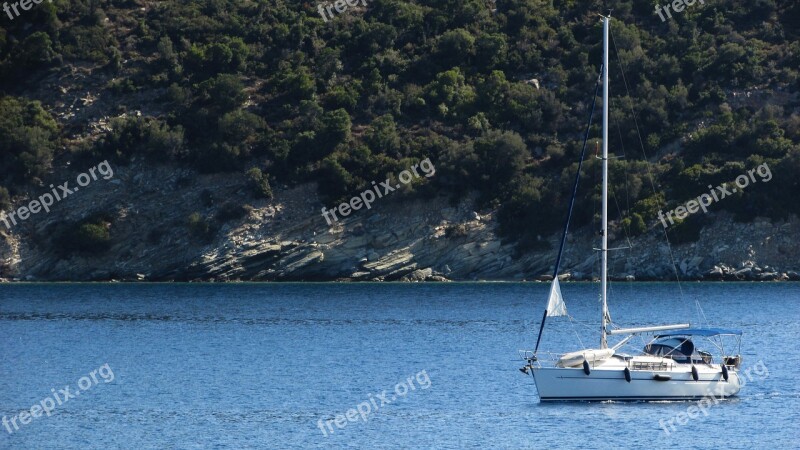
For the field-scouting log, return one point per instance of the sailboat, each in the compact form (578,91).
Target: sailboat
(670,367)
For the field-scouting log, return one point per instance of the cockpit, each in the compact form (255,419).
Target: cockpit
(680,349)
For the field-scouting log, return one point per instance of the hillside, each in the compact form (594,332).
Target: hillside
(230,125)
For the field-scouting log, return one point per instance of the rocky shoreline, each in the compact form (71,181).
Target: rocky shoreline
(406,240)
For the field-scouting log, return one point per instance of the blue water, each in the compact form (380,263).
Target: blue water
(265,365)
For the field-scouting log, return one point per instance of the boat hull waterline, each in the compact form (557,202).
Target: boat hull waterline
(573,384)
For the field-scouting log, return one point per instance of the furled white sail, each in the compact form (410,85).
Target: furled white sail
(556,305)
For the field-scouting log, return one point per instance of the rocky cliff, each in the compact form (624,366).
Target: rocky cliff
(287,238)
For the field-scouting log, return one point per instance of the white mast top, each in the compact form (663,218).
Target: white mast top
(604,229)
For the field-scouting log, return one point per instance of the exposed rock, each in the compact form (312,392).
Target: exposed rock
(438,278)
(715,273)
(418,275)
(286,238)
(767,276)
(744,274)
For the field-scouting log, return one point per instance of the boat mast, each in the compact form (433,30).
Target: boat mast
(569,213)
(604,229)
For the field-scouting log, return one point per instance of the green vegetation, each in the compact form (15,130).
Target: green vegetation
(259,183)
(27,140)
(496,98)
(201,228)
(90,236)
(137,135)
(5,199)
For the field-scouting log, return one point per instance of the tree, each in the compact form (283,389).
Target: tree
(259,183)
(145,136)
(5,199)
(452,93)
(502,157)
(455,47)
(335,129)
(382,136)
(223,93)
(36,50)
(634,225)
(490,50)
(89,236)
(27,139)
(298,85)
(241,126)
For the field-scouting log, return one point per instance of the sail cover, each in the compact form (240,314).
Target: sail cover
(556,305)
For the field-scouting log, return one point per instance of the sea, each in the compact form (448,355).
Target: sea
(369,365)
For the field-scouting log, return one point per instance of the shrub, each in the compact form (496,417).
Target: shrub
(145,136)
(259,183)
(634,225)
(93,237)
(456,231)
(27,139)
(201,228)
(502,157)
(221,157)
(91,43)
(5,199)
(455,47)
(36,50)
(335,129)
(223,93)
(382,136)
(345,96)
(90,236)
(241,127)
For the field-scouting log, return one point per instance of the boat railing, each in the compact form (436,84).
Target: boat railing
(529,356)
(551,356)
(732,361)
(706,357)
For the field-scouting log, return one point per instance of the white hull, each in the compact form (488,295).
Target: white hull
(572,384)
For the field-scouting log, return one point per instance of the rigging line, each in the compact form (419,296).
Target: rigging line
(592,328)
(627,173)
(622,147)
(625,230)
(627,176)
(627,194)
(584,324)
(595,220)
(572,200)
(572,325)
(621,141)
(701,314)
